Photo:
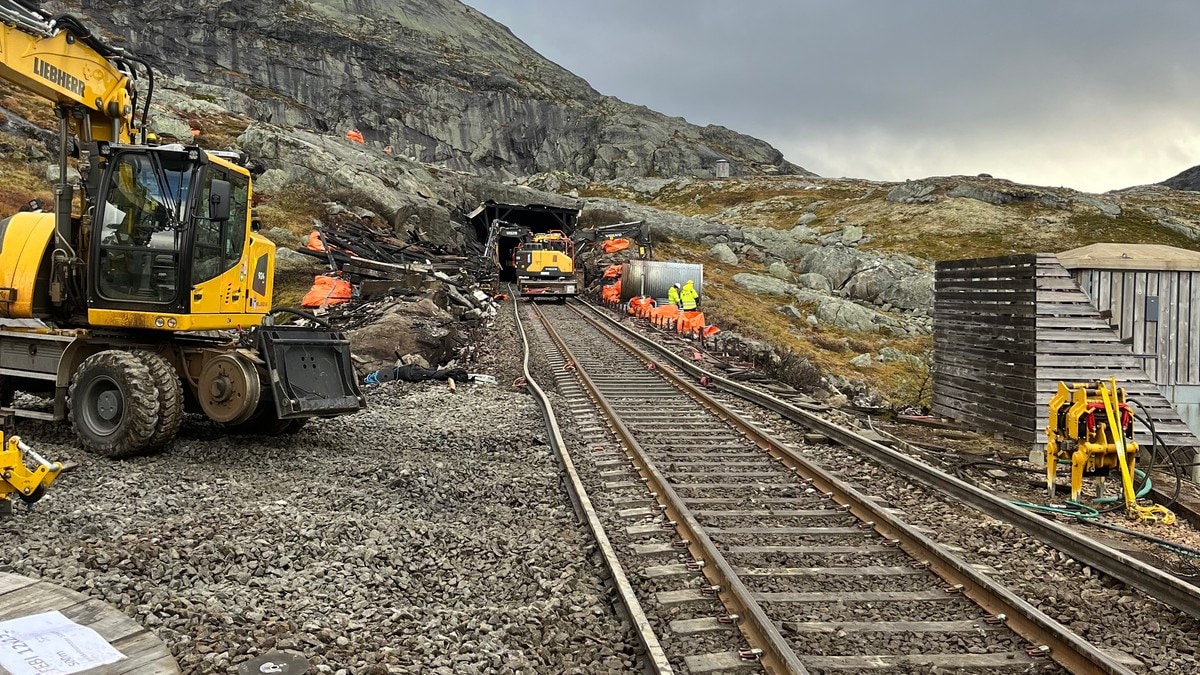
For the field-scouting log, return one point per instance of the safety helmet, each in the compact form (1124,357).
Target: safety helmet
(676,284)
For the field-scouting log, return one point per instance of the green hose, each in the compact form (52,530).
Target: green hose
(1140,493)
(1071,508)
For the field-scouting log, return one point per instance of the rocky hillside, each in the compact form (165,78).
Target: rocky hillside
(435,79)
(1188,179)
(829,279)
(839,271)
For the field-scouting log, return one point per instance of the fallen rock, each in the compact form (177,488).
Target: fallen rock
(861,361)
(723,254)
(779,270)
(852,234)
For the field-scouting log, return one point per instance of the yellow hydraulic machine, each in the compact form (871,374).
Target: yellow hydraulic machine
(1092,428)
(148,288)
(16,479)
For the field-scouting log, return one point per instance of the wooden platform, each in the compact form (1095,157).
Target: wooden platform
(144,653)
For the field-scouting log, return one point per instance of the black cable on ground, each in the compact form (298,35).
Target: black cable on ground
(303,315)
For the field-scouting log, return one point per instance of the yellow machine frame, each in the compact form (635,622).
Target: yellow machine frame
(1092,436)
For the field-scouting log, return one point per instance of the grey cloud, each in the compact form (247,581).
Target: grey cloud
(981,80)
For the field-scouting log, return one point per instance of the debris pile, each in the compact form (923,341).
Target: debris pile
(409,309)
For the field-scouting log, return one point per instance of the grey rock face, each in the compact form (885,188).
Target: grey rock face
(435,79)
(846,314)
(835,264)
(915,192)
(1103,205)
(287,260)
(814,281)
(723,254)
(760,285)
(894,283)
(852,234)
(779,270)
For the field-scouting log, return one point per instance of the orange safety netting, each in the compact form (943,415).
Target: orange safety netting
(614,245)
(327,290)
(356,136)
(613,271)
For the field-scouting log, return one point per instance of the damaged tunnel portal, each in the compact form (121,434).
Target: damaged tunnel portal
(539,218)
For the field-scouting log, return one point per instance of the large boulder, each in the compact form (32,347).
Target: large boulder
(379,344)
(723,254)
(885,281)
(847,315)
(837,264)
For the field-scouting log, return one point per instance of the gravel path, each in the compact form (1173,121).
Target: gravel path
(427,534)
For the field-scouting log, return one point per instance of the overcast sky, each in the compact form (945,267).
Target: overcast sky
(1090,94)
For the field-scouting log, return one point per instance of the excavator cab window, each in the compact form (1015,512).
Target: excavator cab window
(141,227)
(219,243)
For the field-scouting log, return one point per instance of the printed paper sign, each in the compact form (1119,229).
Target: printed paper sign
(52,644)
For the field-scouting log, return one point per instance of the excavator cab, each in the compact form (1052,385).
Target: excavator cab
(172,245)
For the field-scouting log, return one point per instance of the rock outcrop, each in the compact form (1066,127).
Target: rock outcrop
(435,79)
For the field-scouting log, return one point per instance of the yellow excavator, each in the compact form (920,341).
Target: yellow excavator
(147,290)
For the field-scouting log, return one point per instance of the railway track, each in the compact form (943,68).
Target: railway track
(1154,582)
(749,557)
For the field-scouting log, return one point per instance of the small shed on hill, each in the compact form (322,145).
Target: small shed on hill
(1008,330)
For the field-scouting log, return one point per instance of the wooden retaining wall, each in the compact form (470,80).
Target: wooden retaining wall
(1008,330)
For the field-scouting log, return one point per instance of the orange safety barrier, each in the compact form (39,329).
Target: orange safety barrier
(612,271)
(327,290)
(641,306)
(614,245)
(690,323)
(356,136)
(665,316)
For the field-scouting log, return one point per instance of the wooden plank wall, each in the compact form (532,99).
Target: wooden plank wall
(984,333)
(1174,338)
(1008,330)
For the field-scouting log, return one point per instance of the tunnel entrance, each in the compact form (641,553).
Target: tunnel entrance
(539,218)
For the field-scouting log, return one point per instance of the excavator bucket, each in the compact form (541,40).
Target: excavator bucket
(310,371)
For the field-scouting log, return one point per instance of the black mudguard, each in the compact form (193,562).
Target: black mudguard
(310,371)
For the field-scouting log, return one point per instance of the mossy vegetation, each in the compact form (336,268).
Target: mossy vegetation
(21,182)
(293,209)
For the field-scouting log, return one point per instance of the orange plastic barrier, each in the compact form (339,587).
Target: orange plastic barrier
(611,294)
(690,323)
(614,245)
(356,136)
(641,306)
(664,316)
(328,290)
(314,242)
(612,271)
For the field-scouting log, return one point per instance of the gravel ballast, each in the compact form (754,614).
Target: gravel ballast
(426,534)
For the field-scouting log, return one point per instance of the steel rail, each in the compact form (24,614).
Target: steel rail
(1164,587)
(587,513)
(1065,647)
(775,656)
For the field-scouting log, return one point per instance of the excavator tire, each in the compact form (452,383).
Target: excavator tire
(170,399)
(113,404)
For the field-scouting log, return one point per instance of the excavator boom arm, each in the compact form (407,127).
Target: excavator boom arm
(56,64)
